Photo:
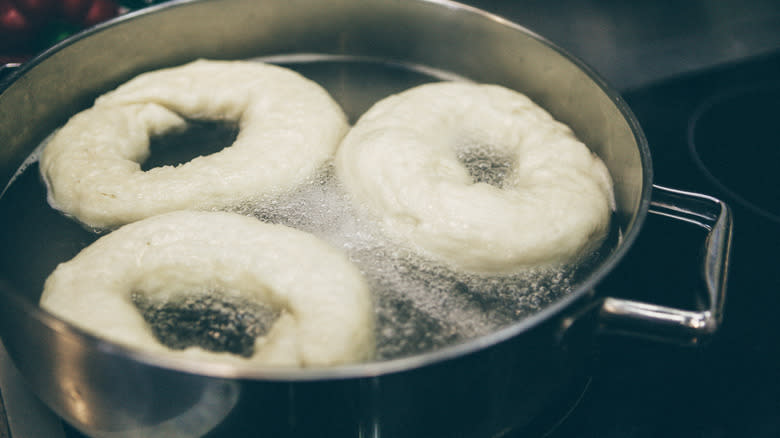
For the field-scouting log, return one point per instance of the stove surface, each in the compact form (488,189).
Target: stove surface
(728,388)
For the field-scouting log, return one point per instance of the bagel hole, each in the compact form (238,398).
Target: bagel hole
(213,323)
(486,164)
(199,138)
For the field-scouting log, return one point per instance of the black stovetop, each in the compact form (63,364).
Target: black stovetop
(715,132)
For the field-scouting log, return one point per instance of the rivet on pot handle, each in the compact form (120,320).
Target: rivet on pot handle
(668,323)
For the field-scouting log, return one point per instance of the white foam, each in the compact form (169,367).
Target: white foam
(420,306)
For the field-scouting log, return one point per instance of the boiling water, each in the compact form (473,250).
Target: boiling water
(420,306)
(486,164)
(206,320)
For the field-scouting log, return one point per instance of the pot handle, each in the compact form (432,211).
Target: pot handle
(667,323)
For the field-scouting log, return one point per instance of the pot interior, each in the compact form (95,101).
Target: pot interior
(360,53)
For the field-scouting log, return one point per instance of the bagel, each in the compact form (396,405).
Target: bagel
(325,311)
(288,127)
(403,161)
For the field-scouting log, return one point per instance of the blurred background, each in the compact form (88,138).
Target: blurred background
(632,43)
(629,43)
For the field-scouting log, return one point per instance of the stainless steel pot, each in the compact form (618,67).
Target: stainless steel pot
(485,387)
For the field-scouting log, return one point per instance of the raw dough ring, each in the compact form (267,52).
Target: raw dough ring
(400,160)
(289,126)
(326,310)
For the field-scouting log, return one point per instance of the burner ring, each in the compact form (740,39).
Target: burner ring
(741,120)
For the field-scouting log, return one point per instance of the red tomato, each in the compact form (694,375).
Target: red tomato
(11,18)
(36,9)
(16,30)
(99,11)
(27,26)
(74,10)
